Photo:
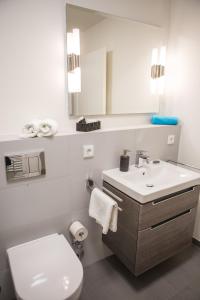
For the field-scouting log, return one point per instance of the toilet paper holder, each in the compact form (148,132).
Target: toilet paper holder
(77,244)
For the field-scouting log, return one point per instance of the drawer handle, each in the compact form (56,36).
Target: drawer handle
(115,197)
(170,219)
(166,198)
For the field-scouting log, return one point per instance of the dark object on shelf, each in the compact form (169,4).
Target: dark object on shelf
(124,161)
(88,126)
(156,161)
(82,121)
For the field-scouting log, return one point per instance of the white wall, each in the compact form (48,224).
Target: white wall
(155,12)
(184,80)
(92,99)
(129,48)
(32,58)
(33,208)
(32,81)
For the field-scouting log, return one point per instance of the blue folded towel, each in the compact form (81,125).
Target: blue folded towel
(164,120)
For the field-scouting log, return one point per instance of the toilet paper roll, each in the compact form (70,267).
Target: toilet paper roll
(78,231)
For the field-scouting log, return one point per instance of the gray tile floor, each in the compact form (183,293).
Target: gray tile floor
(176,279)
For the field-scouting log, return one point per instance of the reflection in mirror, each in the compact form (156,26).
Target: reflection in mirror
(114,64)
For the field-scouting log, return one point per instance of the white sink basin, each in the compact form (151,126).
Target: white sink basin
(152,181)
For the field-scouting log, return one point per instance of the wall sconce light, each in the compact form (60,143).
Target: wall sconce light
(158,70)
(73,61)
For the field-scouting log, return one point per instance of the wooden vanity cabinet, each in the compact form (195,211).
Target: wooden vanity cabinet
(150,233)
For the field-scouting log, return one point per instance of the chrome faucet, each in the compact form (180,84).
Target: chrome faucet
(140,157)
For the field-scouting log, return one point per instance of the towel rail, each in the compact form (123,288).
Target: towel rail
(91,185)
(112,195)
(182,164)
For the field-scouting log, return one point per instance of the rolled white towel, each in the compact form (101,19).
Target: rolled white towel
(47,127)
(31,129)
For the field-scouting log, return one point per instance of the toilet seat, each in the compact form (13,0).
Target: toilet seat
(46,269)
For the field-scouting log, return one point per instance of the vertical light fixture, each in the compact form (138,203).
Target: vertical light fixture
(73,61)
(162,63)
(158,70)
(153,70)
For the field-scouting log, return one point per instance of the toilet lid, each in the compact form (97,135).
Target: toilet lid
(46,268)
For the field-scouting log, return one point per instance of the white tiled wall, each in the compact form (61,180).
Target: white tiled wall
(34,208)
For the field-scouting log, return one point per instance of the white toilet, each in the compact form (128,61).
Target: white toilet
(46,269)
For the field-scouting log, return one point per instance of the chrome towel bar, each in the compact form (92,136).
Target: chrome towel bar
(182,164)
(90,185)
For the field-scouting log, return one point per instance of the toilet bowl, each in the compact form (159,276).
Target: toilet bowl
(46,269)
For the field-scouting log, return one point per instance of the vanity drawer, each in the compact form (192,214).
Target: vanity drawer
(165,208)
(161,241)
(123,244)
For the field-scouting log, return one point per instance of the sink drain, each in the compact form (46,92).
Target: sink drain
(150,185)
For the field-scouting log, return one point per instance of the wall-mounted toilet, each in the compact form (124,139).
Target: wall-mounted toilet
(46,269)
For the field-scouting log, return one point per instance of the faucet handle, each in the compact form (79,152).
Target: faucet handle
(126,151)
(141,151)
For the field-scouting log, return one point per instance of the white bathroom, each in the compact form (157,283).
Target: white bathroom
(99,149)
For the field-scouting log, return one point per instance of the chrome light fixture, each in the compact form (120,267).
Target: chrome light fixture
(158,70)
(73,61)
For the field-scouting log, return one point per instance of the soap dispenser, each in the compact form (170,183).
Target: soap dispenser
(124,161)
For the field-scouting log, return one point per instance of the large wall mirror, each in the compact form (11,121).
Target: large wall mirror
(109,64)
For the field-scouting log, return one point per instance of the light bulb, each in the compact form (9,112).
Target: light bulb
(76,41)
(69,43)
(154,59)
(162,56)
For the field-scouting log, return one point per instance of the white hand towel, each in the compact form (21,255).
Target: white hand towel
(47,127)
(104,209)
(31,129)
